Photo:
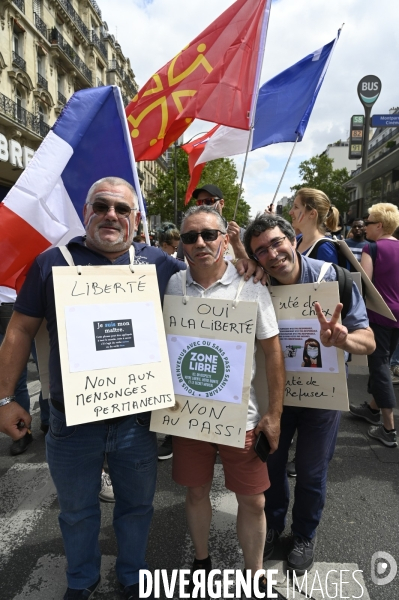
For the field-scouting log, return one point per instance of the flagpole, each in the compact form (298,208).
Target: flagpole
(286,166)
(262,45)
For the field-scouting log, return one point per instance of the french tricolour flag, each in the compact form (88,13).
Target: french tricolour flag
(90,140)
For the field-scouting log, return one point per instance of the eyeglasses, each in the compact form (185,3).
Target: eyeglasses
(371,223)
(207,201)
(208,235)
(101,208)
(262,252)
(173,246)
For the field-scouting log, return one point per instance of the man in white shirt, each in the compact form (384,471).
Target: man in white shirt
(209,275)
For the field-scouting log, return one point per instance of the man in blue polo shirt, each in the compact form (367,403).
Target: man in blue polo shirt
(271,241)
(76,454)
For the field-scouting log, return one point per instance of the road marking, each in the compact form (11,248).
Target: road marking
(26,491)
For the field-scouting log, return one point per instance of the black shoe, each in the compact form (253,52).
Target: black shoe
(131,592)
(270,544)
(85,594)
(19,446)
(301,556)
(263,589)
(291,470)
(44,427)
(206,566)
(165,450)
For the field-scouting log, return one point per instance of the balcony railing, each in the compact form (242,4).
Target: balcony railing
(96,8)
(61,98)
(383,141)
(18,61)
(69,9)
(99,82)
(55,38)
(20,4)
(131,87)
(42,82)
(113,65)
(40,25)
(98,43)
(21,116)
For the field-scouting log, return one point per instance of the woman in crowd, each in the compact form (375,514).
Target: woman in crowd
(312,214)
(380,261)
(168,237)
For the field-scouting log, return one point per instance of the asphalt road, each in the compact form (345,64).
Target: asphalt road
(360,519)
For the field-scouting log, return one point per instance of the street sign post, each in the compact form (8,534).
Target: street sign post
(368,90)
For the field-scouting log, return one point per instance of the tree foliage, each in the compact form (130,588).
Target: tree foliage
(318,173)
(221,172)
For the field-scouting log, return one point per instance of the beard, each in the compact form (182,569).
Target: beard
(118,245)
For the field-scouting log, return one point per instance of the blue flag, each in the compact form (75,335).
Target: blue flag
(285,102)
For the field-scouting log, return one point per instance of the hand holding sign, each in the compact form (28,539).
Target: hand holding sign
(332,333)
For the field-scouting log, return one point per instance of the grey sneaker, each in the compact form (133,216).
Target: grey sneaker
(106,493)
(364,412)
(379,433)
(395,370)
(301,556)
(271,540)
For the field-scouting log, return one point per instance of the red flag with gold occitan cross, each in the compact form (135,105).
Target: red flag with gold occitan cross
(213,79)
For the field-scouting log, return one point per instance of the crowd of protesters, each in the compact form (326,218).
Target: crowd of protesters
(288,254)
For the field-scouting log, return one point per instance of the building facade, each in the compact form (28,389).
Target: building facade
(380,181)
(48,50)
(338,152)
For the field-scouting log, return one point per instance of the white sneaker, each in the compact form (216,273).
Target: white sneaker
(106,493)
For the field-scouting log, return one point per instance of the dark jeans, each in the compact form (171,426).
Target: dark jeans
(317,435)
(75,456)
(380,382)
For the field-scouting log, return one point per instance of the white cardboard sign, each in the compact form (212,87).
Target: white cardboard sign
(113,352)
(211,346)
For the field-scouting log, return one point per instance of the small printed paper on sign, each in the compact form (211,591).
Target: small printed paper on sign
(102,336)
(302,349)
(207,368)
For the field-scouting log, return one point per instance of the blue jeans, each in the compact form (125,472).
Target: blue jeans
(317,435)
(75,456)
(395,357)
(21,389)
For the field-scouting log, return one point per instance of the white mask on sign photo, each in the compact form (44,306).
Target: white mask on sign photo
(312,352)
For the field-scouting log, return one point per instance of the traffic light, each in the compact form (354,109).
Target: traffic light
(356,137)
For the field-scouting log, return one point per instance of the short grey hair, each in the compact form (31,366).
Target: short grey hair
(263,222)
(208,210)
(112,181)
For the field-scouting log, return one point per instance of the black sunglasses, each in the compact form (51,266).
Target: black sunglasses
(371,223)
(101,208)
(208,201)
(208,235)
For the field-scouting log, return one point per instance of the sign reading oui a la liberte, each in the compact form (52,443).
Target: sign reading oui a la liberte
(114,358)
(211,346)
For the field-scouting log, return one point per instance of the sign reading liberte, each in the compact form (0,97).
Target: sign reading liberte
(114,358)
(211,346)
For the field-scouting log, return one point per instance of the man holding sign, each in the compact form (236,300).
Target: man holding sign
(271,241)
(209,276)
(76,453)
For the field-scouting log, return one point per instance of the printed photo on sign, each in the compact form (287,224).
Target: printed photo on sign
(303,351)
(101,336)
(207,368)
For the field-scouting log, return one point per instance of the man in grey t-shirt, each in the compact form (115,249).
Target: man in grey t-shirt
(205,239)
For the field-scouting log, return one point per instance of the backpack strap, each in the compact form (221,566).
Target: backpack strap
(312,252)
(345,283)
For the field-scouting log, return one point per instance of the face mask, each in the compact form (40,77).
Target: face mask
(313,352)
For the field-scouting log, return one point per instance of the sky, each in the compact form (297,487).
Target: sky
(151,32)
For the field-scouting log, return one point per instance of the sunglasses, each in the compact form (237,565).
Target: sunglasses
(208,235)
(208,201)
(101,208)
(371,223)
